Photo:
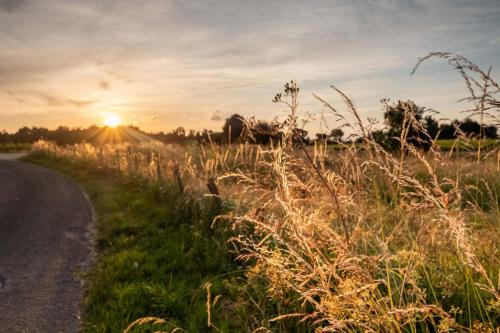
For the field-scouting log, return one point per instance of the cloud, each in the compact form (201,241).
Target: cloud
(15,97)
(104,85)
(80,103)
(11,6)
(53,101)
(215,115)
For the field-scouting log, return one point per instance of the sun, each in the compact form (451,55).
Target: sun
(112,120)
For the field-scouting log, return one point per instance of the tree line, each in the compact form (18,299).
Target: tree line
(419,128)
(400,116)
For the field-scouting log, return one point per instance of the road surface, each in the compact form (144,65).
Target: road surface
(44,245)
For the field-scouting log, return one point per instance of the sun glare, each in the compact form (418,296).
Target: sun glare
(112,120)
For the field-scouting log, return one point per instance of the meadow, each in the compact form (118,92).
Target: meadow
(289,237)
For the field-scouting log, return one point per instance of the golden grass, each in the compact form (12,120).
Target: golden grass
(359,239)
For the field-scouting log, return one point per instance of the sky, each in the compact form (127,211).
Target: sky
(163,64)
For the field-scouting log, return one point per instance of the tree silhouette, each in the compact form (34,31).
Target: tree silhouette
(432,126)
(394,115)
(336,134)
(233,127)
(407,116)
(263,132)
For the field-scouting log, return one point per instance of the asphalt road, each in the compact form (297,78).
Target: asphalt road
(44,246)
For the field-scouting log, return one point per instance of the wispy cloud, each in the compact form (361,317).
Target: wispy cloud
(53,101)
(15,97)
(80,103)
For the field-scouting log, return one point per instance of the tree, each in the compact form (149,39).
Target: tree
(264,132)
(490,132)
(394,115)
(407,115)
(474,129)
(336,134)
(302,136)
(448,131)
(379,136)
(432,126)
(179,131)
(469,127)
(321,137)
(233,127)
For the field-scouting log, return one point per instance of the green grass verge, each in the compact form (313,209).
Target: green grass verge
(473,144)
(445,145)
(156,250)
(14,147)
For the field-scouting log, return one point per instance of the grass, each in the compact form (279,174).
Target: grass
(156,251)
(472,145)
(358,239)
(14,147)
(153,239)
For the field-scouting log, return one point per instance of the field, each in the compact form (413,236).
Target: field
(296,237)
(350,240)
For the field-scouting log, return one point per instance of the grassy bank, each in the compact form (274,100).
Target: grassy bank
(156,251)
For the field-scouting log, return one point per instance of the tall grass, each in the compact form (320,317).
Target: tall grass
(353,240)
